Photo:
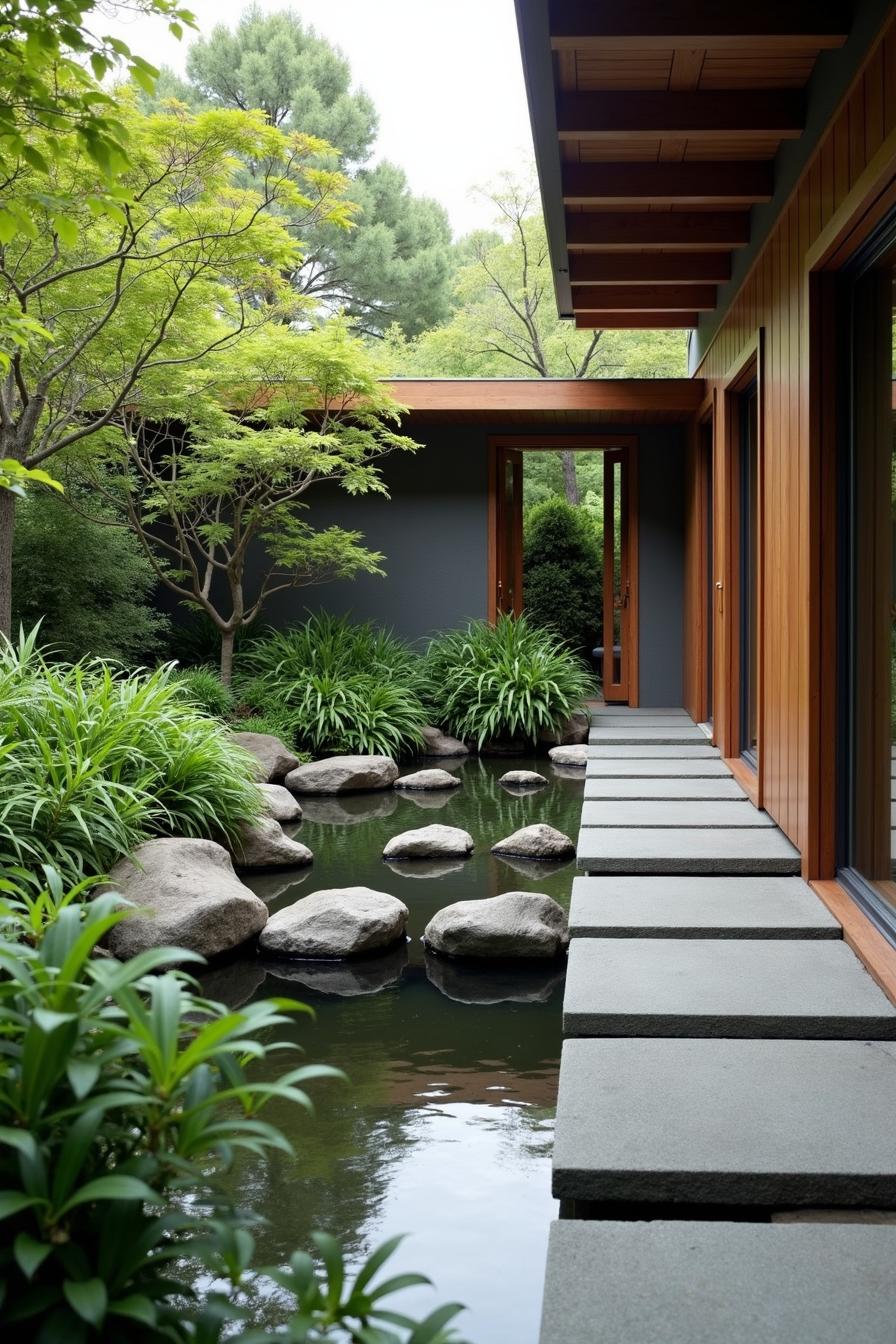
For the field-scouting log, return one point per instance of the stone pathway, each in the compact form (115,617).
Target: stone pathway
(724,1150)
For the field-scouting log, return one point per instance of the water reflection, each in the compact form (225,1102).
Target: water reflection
(345,979)
(465,982)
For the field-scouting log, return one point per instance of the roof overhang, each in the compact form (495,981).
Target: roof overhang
(549,401)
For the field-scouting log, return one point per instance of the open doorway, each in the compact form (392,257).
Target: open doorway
(526,473)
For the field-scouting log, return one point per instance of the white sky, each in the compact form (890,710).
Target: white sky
(445,76)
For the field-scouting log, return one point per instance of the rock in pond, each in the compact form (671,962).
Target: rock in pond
(573,731)
(536,842)
(522,779)
(569,755)
(430,842)
(279,803)
(428,779)
(263,844)
(187,895)
(274,758)
(516,924)
(343,774)
(335,923)
(437,743)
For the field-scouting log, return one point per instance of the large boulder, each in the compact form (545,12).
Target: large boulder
(430,842)
(437,743)
(343,774)
(516,924)
(573,731)
(536,842)
(263,844)
(577,756)
(522,779)
(273,757)
(279,803)
(338,922)
(428,779)
(187,895)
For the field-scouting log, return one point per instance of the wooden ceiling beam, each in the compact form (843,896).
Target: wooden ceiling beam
(638,24)
(635,321)
(695,231)
(695,183)
(643,298)
(686,114)
(649,268)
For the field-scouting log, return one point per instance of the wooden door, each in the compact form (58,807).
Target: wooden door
(507,592)
(620,617)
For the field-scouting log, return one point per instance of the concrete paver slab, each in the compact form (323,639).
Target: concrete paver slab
(636,813)
(749,850)
(676,789)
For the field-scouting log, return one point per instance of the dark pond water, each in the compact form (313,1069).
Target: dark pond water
(445,1132)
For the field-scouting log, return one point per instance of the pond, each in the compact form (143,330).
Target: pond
(445,1132)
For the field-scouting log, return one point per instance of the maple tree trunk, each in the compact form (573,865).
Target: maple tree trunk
(7,525)
(227,639)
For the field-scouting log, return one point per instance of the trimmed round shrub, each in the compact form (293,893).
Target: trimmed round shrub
(562,569)
(204,689)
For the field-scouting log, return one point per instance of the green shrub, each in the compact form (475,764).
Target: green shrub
(506,681)
(95,761)
(562,572)
(339,687)
(123,1097)
(88,583)
(203,688)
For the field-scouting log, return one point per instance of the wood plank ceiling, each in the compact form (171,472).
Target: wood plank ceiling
(669,115)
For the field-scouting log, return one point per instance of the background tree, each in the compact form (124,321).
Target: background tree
(189,263)
(396,265)
(214,474)
(506,322)
(562,572)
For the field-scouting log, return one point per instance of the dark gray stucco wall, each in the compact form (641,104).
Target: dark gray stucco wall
(661,566)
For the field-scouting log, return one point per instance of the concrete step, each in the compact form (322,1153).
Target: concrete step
(647,789)
(628,734)
(641,712)
(706,766)
(812,990)
(698,907)
(709,1282)
(650,751)
(751,850)
(636,813)
(782,1124)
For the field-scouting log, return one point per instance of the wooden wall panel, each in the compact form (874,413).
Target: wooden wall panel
(775,297)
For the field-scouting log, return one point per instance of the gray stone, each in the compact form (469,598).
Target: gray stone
(569,755)
(279,803)
(344,979)
(708,1282)
(430,842)
(670,735)
(601,712)
(641,768)
(334,923)
(659,786)
(538,841)
(698,907)
(437,743)
(734,987)
(570,733)
(263,844)
(481,982)
(754,851)
(273,757)
(343,774)
(515,924)
(794,1124)
(428,779)
(654,751)
(522,779)
(187,895)
(634,813)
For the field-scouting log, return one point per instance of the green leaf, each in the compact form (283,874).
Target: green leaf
(30,1253)
(14,1203)
(110,1187)
(67,230)
(88,1299)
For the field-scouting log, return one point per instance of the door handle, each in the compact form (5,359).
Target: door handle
(719,590)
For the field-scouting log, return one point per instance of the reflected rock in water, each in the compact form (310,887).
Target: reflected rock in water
(425,867)
(467,982)
(347,809)
(567,772)
(431,800)
(271,886)
(534,870)
(343,979)
(232,983)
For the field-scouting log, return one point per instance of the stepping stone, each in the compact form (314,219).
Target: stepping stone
(634,813)
(708,1282)
(659,787)
(751,849)
(698,907)
(785,1124)
(634,735)
(618,721)
(813,990)
(650,751)
(642,711)
(709,766)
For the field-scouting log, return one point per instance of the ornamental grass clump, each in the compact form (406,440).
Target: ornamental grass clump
(504,682)
(340,687)
(94,760)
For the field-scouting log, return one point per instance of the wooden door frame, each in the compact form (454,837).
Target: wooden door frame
(704,633)
(552,443)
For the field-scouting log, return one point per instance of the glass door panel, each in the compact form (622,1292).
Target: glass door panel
(617,609)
